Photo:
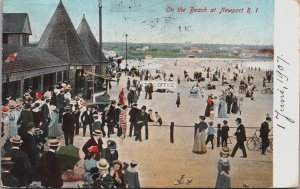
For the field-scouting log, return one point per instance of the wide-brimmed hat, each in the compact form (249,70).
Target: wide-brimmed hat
(117,162)
(97,133)
(29,126)
(16,139)
(112,145)
(225,150)
(53,142)
(202,117)
(102,164)
(133,162)
(238,120)
(5,109)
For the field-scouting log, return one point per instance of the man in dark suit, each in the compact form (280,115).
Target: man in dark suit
(240,137)
(96,140)
(21,168)
(110,153)
(45,116)
(264,134)
(61,103)
(133,113)
(29,146)
(51,172)
(131,176)
(142,121)
(111,119)
(87,119)
(6,176)
(76,115)
(68,126)
(229,101)
(25,117)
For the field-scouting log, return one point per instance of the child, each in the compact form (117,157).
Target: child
(224,133)
(210,134)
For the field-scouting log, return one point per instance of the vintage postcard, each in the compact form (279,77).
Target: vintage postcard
(144,94)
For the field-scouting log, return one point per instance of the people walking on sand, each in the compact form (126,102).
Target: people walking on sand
(264,134)
(209,105)
(131,176)
(199,146)
(222,108)
(123,121)
(51,171)
(229,101)
(224,133)
(235,107)
(210,134)
(150,90)
(178,100)
(240,137)
(130,98)
(223,178)
(146,88)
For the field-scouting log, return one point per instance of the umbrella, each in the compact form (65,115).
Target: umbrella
(102,99)
(68,156)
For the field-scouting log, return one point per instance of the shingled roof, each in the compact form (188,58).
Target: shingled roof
(29,59)
(61,39)
(89,41)
(16,23)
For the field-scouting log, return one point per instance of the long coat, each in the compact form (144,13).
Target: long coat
(131,178)
(21,168)
(68,124)
(45,114)
(222,180)
(29,147)
(87,118)
(51,172)
(89,143)
(240,133)
(264,130)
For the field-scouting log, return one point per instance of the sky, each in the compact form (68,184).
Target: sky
(148,21)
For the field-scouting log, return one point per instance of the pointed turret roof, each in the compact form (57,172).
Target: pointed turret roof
(89,41)
(61,39)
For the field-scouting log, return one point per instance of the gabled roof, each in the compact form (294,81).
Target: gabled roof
(16,23)
(89,41)
(61,39)
(28,59)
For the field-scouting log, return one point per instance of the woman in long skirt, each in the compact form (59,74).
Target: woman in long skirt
(209,106)
(223,178)
(200,137)
(222,108)
(235,107)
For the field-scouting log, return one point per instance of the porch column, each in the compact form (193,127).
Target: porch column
(21,87)
(62,76)
(55,78)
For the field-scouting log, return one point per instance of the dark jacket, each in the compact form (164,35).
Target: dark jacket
(133,113)
(87,119)
(21,168)
(144,117)
(264,130)
(51,172)
(229,99)
(224,131)
(60,101)
(68,124)
(110,116)
(29,147)
(106,154)
(45,114)
(89,143)
(240,133)
(25,117)
(37,118)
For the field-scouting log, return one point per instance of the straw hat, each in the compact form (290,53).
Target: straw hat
(53,142)
(16,139)
(117,162)
(97,133)
(6,161)
(102,164)
(225,150)
(133,162)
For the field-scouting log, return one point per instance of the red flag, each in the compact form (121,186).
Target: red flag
(12,57)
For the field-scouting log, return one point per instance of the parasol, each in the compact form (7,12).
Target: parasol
(68,156)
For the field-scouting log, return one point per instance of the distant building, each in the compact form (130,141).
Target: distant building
(16,29)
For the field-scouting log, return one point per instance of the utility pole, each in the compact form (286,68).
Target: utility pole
(101,65)
(126,50)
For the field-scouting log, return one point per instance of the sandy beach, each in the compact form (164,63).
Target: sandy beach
(162,162)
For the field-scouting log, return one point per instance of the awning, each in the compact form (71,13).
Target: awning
(103,77)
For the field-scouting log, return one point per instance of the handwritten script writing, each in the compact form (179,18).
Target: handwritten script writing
(280,69)
(222,10)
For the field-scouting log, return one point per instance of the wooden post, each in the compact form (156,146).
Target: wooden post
(172,132)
